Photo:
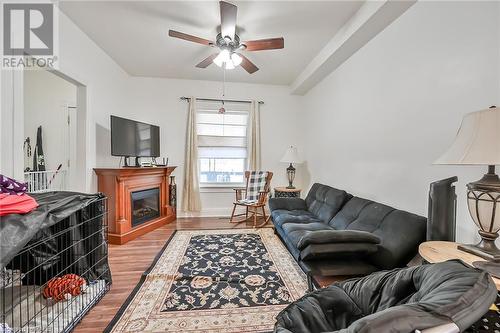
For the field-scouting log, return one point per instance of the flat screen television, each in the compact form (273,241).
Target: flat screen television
(134,138)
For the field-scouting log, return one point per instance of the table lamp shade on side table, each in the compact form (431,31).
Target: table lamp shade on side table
(291,156)
(478,143)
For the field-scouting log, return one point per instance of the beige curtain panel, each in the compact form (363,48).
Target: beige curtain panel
(253,136)
(191,201)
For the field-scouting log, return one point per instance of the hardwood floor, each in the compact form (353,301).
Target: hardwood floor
(130,260)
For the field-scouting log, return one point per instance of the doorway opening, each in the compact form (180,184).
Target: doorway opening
(50,131)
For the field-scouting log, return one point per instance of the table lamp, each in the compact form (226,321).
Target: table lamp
(291,156)
(478,143)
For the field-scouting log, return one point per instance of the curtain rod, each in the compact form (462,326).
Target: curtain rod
(219,100)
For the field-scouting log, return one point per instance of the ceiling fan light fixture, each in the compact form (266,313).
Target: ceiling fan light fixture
(229,42)
(236,59)
(222,58)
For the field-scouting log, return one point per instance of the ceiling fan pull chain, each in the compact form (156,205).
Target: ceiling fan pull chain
(222,110)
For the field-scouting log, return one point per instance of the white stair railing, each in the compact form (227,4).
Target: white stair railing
(45,181)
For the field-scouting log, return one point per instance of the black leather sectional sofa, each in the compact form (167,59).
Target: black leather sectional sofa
(332,232)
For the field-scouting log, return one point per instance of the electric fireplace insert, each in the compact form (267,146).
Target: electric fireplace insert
(145,206)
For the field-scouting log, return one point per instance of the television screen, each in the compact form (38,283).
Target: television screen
(133,138)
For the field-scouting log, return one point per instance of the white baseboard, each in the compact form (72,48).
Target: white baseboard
(209,212)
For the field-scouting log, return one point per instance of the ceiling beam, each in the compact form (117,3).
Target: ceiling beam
(369,21)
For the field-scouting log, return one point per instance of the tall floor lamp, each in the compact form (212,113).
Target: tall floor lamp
(478,143)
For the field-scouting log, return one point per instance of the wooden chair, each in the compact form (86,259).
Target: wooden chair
(252,198)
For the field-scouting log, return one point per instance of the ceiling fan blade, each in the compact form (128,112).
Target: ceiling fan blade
(207,61)
(228,13)
(190,38)
(265,44)
(248,65)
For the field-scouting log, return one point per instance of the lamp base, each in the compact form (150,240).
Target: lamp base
(484,249)
(290,173)
(290,187)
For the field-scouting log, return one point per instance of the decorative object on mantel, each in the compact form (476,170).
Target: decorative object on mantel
(173,194)
(291,156)
(478,143)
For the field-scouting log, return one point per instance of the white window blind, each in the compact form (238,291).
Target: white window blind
(222,142)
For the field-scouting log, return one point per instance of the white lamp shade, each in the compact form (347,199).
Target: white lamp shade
(477,141)
(291,156)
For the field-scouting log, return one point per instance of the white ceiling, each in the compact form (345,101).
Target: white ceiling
(135,35)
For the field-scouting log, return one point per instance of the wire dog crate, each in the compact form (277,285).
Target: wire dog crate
(75,245)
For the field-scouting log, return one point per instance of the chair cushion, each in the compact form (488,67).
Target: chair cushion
(256,183)
(325,201)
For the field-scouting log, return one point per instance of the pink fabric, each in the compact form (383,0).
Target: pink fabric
(16,204)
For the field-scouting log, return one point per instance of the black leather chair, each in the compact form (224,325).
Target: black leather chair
(446,297)
(333,233)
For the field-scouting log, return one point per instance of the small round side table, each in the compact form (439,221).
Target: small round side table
(439,251)
(283,192)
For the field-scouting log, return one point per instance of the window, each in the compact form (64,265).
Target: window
(222,143)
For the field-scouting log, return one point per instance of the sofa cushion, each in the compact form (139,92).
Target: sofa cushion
(349,213)
(295,231)
(325,201)
(337,250)
(287,204)
(282,216)
(348,265)
(336,236)
(400,232)
(306,227)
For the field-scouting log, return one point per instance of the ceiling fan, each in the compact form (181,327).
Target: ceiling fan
(229,43)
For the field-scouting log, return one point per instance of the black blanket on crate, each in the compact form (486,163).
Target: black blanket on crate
(62,220)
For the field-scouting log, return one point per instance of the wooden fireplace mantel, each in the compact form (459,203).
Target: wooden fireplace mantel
(118,184)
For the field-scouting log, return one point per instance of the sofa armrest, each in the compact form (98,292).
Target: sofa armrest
(287,203)
(336,236)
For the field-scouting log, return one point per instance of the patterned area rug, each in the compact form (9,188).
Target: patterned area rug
(490,322)
(214,281)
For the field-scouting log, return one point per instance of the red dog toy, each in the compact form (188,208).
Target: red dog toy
(64,287)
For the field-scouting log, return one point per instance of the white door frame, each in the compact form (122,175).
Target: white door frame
(72,157)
